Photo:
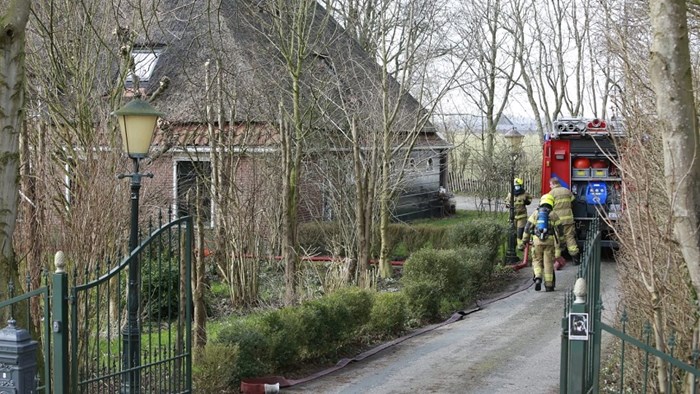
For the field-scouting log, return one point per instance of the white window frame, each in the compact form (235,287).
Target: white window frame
(145,60)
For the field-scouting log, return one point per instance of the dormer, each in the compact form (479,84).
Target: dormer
(145,60)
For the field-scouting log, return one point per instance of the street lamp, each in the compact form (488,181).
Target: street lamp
(516,140)
(137,122)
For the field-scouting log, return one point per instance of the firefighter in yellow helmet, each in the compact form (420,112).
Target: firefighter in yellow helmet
(563,198)
(544,228)
(521,199)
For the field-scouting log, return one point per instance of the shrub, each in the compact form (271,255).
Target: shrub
(352,304)
(423,299)
(287,336)
(316,237)
(160,292)
(478,232)
(479,262)
(333,319)
(430,278)
(215,368)
(389,315)
(253,348)
(406,239)
(448,306)
(281,338)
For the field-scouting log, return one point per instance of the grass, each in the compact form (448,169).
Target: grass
(219,289)
(459,217)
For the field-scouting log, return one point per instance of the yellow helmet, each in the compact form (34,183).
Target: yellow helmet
(518,182)
(547,199)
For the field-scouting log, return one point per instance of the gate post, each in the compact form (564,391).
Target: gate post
(17,360)
(59,312)
(578,335)
(564,353)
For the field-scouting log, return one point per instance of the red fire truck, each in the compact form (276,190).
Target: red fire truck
(582,154)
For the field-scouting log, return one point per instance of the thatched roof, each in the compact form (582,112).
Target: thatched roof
(339,78)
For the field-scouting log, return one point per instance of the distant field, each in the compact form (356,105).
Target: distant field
(467,155)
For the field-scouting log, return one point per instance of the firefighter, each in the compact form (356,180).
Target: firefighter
(543,226)
(521,199)
(563,198)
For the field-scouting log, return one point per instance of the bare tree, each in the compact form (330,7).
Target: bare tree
(295,31)
(407,40)
(523,11)
(493,72)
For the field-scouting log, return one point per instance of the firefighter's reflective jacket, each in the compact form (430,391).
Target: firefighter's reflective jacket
(562,204)
(520,202)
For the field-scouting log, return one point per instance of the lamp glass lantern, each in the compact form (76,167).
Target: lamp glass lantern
(515,139)
(137,122)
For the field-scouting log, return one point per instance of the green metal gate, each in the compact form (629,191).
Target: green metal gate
(84,331)
(582,329)
(41,298)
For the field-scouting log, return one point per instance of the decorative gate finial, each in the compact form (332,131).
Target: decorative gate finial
(580,291)
(59,261)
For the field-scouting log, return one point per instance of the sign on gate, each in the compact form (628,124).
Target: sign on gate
(578,326)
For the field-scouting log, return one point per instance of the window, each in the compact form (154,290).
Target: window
(145,60)
(193,183)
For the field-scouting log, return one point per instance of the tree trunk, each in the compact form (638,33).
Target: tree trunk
(365,175)
(198,280)
(384,216)
(361,254)
(671,77)
(12,37)
(289,193)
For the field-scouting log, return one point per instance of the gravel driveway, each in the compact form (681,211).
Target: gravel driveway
(509,346)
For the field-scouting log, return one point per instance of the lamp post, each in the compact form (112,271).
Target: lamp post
(137,122)
(515,139)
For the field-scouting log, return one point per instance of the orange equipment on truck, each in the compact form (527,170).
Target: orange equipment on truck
(582,154)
